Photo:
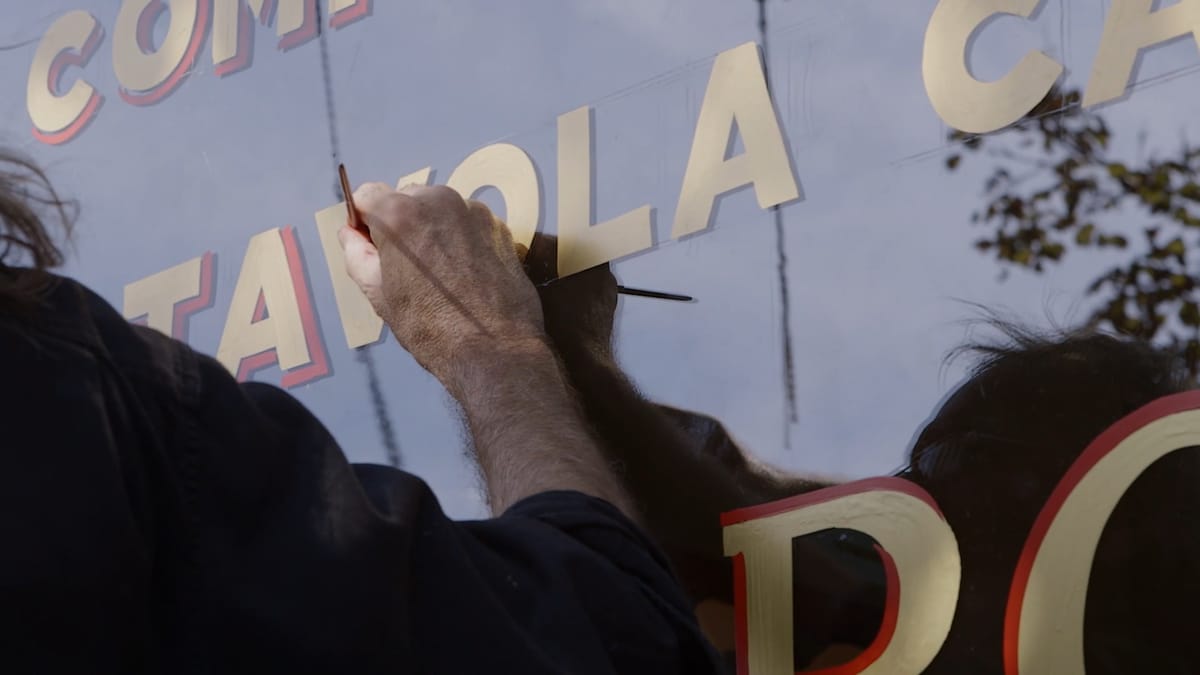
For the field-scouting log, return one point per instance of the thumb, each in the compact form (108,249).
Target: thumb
(361,258)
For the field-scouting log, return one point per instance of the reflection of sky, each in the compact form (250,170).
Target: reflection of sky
(878,250)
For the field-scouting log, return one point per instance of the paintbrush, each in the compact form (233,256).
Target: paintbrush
(354,218)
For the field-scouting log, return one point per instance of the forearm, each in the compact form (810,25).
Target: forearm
(679,489)
(528,431)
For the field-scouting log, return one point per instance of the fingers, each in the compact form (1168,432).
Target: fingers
(541,261)
(392,214)
(441,271)
(369,196)
(386,211)
(493,226)
(437,198)
(361,257)
(389,213)
(510,253)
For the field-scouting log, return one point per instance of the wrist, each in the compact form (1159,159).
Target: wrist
(492,363)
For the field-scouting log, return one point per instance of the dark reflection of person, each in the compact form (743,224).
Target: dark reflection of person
(990,456)
(158,516)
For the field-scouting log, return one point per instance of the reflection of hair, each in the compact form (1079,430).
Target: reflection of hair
(25,194)
(996,450)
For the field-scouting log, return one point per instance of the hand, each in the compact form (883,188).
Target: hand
(443,273)
(579,309)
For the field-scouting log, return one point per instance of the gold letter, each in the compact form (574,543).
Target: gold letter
(1043,626)
(737,95)
(420,177)
(964,102)
(59,118)
(166,300)
(915,542)
(508,169)
(582,245)
(147,75)
(1132,26)
(271,315)
(233,28)
(345,12)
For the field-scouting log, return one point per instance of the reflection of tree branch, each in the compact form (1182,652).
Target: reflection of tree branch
(1154,295)
(1028,161)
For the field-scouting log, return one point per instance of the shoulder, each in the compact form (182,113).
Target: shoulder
(73,319)
(560,561)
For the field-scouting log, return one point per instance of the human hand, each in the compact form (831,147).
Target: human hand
(443,273)
(579,309)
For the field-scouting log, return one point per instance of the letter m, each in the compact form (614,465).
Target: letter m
(233,28)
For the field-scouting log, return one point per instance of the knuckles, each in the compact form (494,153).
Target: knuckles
(481,213)
(390,211)
(399,210)
(439,199)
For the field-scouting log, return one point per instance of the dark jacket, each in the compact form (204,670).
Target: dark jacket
(158,516)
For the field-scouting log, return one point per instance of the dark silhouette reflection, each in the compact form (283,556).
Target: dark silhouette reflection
(990,456)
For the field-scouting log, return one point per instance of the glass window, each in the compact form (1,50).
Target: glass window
(907,168)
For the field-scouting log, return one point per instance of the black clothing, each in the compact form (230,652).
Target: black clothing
(158,516)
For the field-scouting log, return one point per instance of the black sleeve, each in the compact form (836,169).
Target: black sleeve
(283,563)
(560,583)
(75,558)
(157,516)
(312,565)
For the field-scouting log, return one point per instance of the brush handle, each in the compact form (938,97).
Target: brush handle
(654,294)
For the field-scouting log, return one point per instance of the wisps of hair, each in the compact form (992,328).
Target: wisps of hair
(27,202)
(1011,339)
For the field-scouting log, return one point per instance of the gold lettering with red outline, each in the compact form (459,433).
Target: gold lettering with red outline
(59,117)
(233,24)
(1043,623)
(346,12)
(283,314)
(148,74)
(920,559)
(167,300)
(1044,618)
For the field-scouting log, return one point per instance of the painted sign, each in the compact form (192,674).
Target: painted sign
(148,72)
(1044,619)
(270,319)
(971,105)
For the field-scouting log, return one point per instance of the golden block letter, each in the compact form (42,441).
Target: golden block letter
(271,317)
(345,12)
(420,177)
(233,28)
(736,98)
(917,546)
(1043,626)
(1132,26)
(147,75)
(968,104)
(166,300)
(582,245)
(70,41)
